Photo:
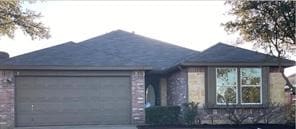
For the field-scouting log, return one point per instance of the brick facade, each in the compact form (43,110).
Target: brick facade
(182,86)
(188,85)
(7,87)
(138,97)
(177,88)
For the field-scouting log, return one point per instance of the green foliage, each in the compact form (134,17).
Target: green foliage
(270,24)
(190,113)
(162,115)
(13,17)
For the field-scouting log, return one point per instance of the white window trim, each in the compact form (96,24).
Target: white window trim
(241,86)
(236,97)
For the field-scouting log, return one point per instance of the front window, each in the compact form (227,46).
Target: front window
(227,86)
(250,85)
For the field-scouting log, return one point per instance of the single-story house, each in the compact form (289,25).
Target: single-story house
(109,78)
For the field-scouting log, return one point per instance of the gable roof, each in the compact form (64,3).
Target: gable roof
(113,50)
(223,54)
(120,50)
(142,50)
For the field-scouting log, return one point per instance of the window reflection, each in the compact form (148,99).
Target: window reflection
(226,85)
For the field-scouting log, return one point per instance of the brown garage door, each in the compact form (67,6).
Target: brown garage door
(72,100)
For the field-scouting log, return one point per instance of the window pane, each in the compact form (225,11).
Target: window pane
(226,94)
(226,77)
(250,76)
(226,85)
(250,94)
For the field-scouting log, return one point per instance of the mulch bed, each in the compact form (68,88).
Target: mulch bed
(226,126)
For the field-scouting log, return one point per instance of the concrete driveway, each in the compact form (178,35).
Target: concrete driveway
(83,127)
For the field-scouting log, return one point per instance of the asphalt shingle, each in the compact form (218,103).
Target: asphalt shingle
(223,53)
(114,49)
(123,49)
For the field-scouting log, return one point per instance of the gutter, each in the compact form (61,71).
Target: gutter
(78,68)
(235,64)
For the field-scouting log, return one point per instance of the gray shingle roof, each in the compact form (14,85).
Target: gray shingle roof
(114,49)
(226,54)
(124,49)
(141,50)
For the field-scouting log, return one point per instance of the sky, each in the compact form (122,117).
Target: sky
(191,24)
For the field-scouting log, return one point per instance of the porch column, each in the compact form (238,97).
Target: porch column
(138,97)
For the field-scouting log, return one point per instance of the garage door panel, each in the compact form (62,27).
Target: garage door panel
(24,119)
(24,107)
(72,100)
(54,119)
(51,119)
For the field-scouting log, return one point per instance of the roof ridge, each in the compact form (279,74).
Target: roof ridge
(104,35)
(164,42)
(267,55)
(221,52)
(134,34)
(212,46)
(236,47)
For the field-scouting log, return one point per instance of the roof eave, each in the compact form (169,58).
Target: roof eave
(235,64)
(46,67)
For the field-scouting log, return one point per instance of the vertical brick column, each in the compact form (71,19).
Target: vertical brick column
(7,100)
(177,88)
(138,97)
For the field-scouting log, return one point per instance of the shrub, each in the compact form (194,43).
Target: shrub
(273,113)
(238,115)
(190,113)
(162,115)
